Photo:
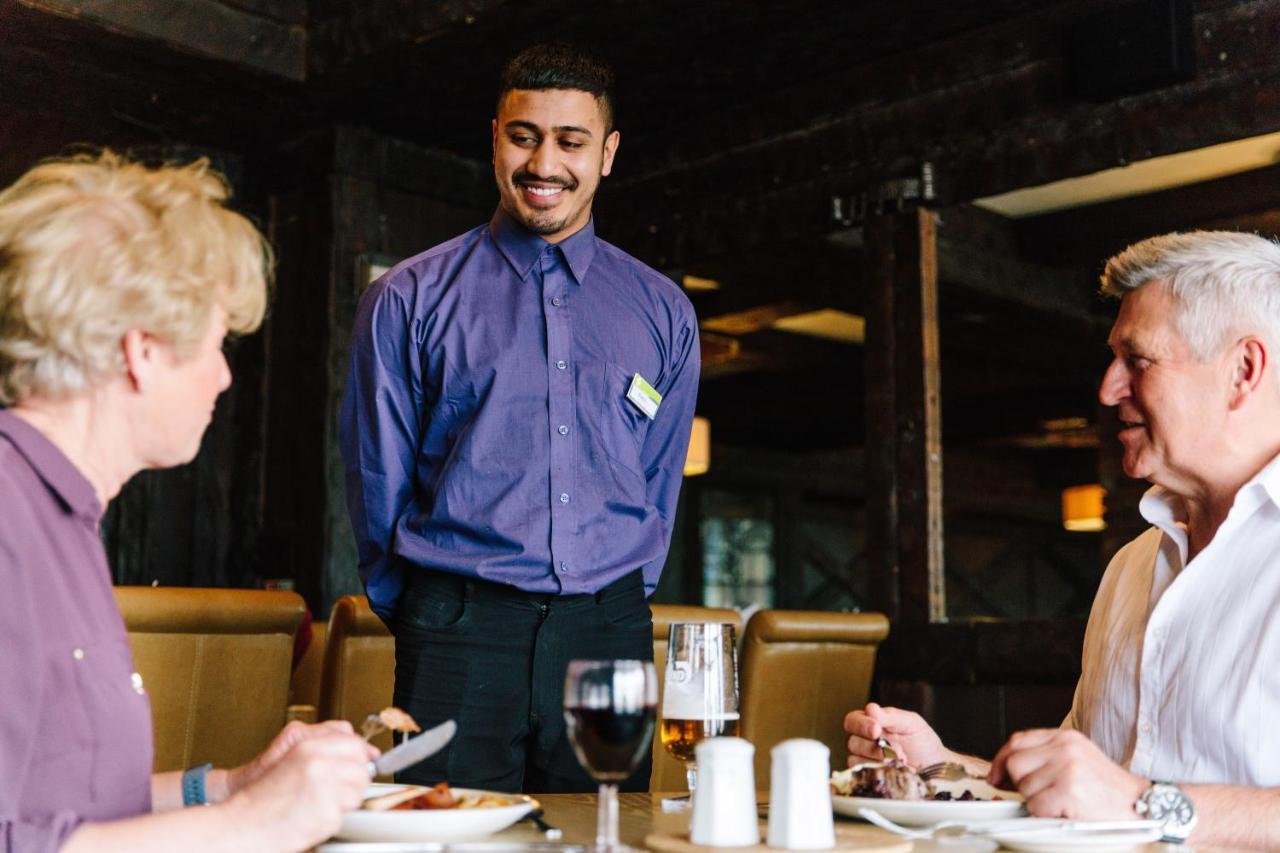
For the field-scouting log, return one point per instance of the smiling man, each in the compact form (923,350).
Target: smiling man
(514,434)
(1175,713)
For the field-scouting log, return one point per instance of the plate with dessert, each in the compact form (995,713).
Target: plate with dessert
(896,791)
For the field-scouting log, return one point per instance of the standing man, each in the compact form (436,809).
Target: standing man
(514,432)
(1174,717)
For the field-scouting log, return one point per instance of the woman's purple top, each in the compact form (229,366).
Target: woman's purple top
(75,722)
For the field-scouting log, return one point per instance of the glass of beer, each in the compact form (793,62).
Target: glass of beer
(700,690)
(609,707)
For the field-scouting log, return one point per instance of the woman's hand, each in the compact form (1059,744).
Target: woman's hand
(306,781)
(290,736)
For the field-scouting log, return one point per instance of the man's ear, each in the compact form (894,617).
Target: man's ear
(610,149)
(495,141)
(139,350)
(1250,365)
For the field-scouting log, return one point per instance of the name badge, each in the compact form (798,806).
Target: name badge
(644,396)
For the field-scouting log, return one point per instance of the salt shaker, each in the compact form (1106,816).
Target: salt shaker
(724,805)
(799,796)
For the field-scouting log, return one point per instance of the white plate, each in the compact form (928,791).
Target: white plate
(431,824)
(1078,836)
(925,812)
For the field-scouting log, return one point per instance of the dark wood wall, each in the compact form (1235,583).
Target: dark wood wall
(359,131)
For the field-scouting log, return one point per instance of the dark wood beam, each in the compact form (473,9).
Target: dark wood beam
(1097,231)
(68,80)
(344,34)
(1007,124)
(268,36)
(903,422)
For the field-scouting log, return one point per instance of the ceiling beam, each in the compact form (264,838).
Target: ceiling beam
(766,170)
(1100,230)
(270,36)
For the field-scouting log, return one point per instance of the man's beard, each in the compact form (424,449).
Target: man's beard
(544,222)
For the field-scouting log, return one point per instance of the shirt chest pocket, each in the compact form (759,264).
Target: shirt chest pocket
(95,731)
(622,425)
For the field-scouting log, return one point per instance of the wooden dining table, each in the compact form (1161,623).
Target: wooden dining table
(642,815)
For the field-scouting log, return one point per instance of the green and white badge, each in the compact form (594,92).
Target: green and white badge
(644,396)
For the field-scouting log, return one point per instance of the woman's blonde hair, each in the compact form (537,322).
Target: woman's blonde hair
(93,246)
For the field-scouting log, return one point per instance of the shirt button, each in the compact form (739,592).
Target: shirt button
(563,567)
(1146,728)
(564,497)
(562,429)
(555,300)
(78,654)
(561,364)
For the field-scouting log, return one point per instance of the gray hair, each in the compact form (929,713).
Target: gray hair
(1224,283)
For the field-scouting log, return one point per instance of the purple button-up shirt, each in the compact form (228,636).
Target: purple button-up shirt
(75,726)
(486,428)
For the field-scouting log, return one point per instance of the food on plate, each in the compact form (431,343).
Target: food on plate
(885,780)
(893,780)
(421,798)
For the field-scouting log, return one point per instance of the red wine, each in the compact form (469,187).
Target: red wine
(609,743)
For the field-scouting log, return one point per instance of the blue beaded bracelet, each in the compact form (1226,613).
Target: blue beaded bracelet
(193,793)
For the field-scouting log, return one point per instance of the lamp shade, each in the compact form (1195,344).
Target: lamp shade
(1082,508)
(698,459)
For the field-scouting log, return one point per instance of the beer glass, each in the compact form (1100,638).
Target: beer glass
(609,708)
(700,690)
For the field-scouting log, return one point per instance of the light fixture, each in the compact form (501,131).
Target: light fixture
(698,460)
(1082,508)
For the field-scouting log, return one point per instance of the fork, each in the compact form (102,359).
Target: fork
(946,771)
(886,750)
(372,726)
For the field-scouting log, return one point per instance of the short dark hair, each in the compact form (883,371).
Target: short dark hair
(561,66)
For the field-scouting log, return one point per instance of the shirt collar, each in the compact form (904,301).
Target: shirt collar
(521,247)
(62,477)
(1166,510)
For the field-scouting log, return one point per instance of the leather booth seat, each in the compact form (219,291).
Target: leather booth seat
(359,665)
(669,774)
(801,672)
(304,685)
(215,663)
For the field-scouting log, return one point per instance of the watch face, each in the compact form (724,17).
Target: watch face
(1167,804)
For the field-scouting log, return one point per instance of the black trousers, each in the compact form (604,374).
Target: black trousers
(493,658)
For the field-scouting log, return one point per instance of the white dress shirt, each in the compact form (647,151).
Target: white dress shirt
(1180,679)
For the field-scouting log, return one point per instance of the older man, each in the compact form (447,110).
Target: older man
(1175,713)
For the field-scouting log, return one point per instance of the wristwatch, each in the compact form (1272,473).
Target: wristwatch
(1166,803)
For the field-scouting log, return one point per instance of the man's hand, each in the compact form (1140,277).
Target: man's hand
(910,736)
(1064,774)
(288,737)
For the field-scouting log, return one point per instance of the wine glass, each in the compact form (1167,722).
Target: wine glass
(700,690)
(609,707)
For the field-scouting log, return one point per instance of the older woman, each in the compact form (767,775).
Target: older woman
(117,287)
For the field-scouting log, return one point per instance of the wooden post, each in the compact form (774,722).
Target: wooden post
(904,426)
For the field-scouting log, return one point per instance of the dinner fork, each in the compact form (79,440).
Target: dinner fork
(886,750)
(946,771)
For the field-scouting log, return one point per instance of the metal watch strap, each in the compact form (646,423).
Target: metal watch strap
(193,793)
